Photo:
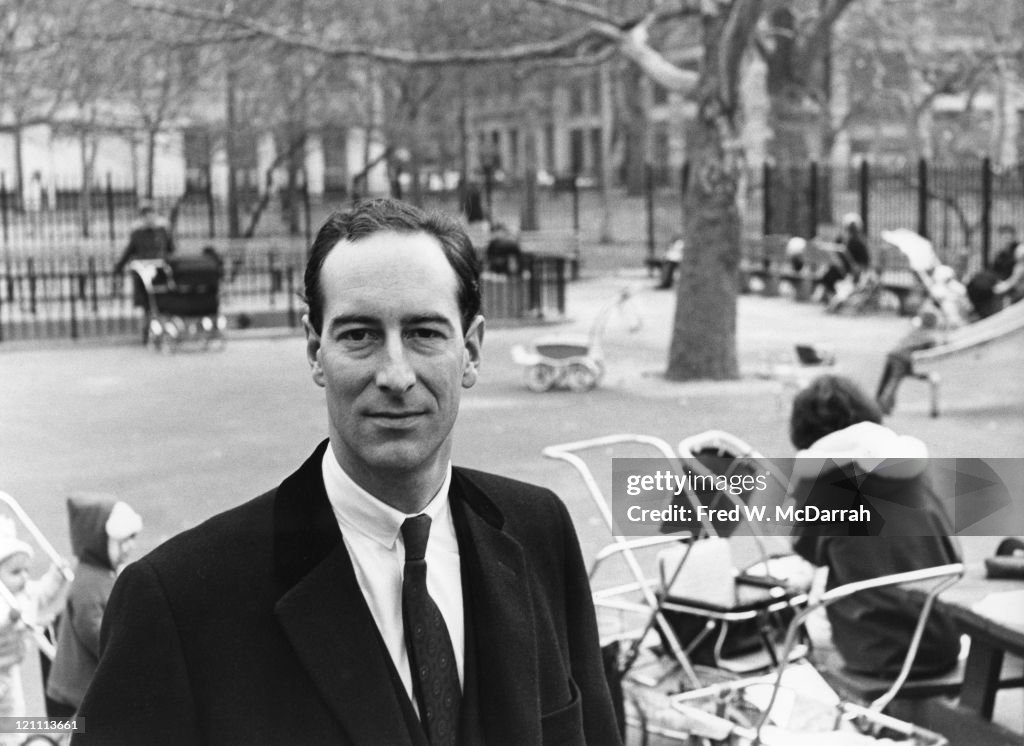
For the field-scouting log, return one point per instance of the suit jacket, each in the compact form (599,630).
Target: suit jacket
(251,628)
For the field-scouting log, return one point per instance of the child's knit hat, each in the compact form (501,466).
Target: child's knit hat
(10,544)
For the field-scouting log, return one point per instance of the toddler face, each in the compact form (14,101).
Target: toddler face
(120,549)
(14,572)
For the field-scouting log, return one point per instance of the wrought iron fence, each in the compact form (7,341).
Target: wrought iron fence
(80,297)
(959,206)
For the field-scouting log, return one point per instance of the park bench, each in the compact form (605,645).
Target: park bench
(764,258)
(553,243)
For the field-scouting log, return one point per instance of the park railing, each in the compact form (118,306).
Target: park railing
(80,297)
(958,205)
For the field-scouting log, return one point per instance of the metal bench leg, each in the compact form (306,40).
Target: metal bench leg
(934,379)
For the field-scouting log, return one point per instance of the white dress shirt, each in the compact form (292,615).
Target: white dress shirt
(372,531)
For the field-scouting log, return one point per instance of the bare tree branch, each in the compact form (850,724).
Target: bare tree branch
(816,40)
(586,10)
(558,46)
(635,47)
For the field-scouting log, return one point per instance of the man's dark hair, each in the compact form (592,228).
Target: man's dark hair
(384,214)
(829,403)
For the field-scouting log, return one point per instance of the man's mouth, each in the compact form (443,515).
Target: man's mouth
(396,417)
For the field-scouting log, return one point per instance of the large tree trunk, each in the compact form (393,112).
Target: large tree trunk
(704,331)
(797,93)
(789,151)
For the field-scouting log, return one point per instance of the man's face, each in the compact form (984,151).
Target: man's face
(392,357)
(1007,236)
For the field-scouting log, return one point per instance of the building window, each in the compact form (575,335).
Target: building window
(549,148)
(577,156)
(596,152)
(659,94)
(513,151)
(595,93)
(244,162)
(334,143)
(576,97)
(198,147)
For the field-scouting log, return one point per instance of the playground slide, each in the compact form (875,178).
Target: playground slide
(999,335)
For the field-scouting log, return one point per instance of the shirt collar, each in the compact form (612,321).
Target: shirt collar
(355,509)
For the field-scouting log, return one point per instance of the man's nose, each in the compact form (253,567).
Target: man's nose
(395,373)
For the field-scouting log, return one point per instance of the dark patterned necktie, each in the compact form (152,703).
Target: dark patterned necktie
(431,656)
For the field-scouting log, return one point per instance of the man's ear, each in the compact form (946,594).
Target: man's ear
(474,340)
(313,351)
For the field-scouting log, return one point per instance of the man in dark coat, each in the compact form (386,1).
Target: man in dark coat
(287,620)
(150,239)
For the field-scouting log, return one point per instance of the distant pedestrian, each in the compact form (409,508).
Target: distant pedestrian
(103,531)
(150,239)
(502,254)
(673,258)
(474,206)
(854,258)
(988,287)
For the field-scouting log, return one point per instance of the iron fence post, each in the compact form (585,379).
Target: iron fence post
(307,212)
(684,185)
(291,295)
(574,187)
(3,205)
(110,207)
(922,197)
(73,302)
(986,210)
(91,269)
(211,216)
(766,198)
(649,197)
(864,189)
(812,187)
(31,268)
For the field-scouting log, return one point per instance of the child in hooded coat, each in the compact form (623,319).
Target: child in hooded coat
(35,602)
(103,531)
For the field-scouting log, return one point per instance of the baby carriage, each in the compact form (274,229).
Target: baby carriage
(575,362)
(182,301)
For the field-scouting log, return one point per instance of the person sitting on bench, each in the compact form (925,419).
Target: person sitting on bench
(842,443)
(947,309)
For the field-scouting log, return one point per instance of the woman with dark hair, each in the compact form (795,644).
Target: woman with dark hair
(848,458)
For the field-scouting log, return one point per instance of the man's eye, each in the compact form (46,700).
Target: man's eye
(427,333)
(355,335)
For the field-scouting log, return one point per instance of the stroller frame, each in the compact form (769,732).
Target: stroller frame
(177,311)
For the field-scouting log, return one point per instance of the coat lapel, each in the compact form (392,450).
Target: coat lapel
(324,615)
(497,587)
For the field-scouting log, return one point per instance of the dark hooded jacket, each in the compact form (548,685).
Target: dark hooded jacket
(78,638)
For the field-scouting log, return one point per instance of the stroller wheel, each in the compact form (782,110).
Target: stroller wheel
(540,377)
(581,376)
(154,333)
